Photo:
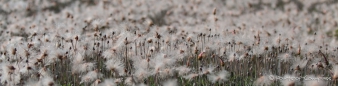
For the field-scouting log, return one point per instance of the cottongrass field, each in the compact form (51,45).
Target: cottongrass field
(168,42)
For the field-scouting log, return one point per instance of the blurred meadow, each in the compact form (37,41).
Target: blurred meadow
(168,42)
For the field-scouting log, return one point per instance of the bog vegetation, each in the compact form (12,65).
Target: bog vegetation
(168,42)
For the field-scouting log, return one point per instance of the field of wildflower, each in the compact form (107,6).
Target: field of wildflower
(168,42)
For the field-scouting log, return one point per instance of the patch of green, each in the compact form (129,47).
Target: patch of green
(336,33)
(333,33)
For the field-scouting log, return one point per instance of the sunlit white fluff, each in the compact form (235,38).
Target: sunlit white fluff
(47,81)
(264,80)
(207,70)
(161,61)
(91,76)
(285,57)
(83,67)
(108,54)
(299,63)
(78,59)
(108,82)
(2,58)
(220,76)
(169,82)
(166,72)
(233,56)
(141,74)
(190,76)
(182,70)
(129,81)
(6,72)
(116,66)
(335,72)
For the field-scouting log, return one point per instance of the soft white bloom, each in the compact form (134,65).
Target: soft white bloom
(170,83)
(115,66)
(141,74)
(83,67)
(47,81)
(220,76)
(190,76)
(335,72)
(108,82)
(129,81)
(264,80)
(91,76)
(182,70)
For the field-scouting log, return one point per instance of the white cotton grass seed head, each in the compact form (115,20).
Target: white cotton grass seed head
(44,72)
(142,84)
(7,72)
(82,68)
(335,72)
(108,54)
(207,70)
(129,81)
(222,51)
(141,74)
(16,79)
(140,63)
(2,58)
(264,80)
(299,63)
(162,61)
(285,57)
(191,76)
(27,70)
(182,70)
(170,82)
(4,72)
(219,77)
(116,66)
(53,56)
(166,72)
(78,59)
(91,76)
(108,82)
(233,56)
(47,81)
(96,82)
